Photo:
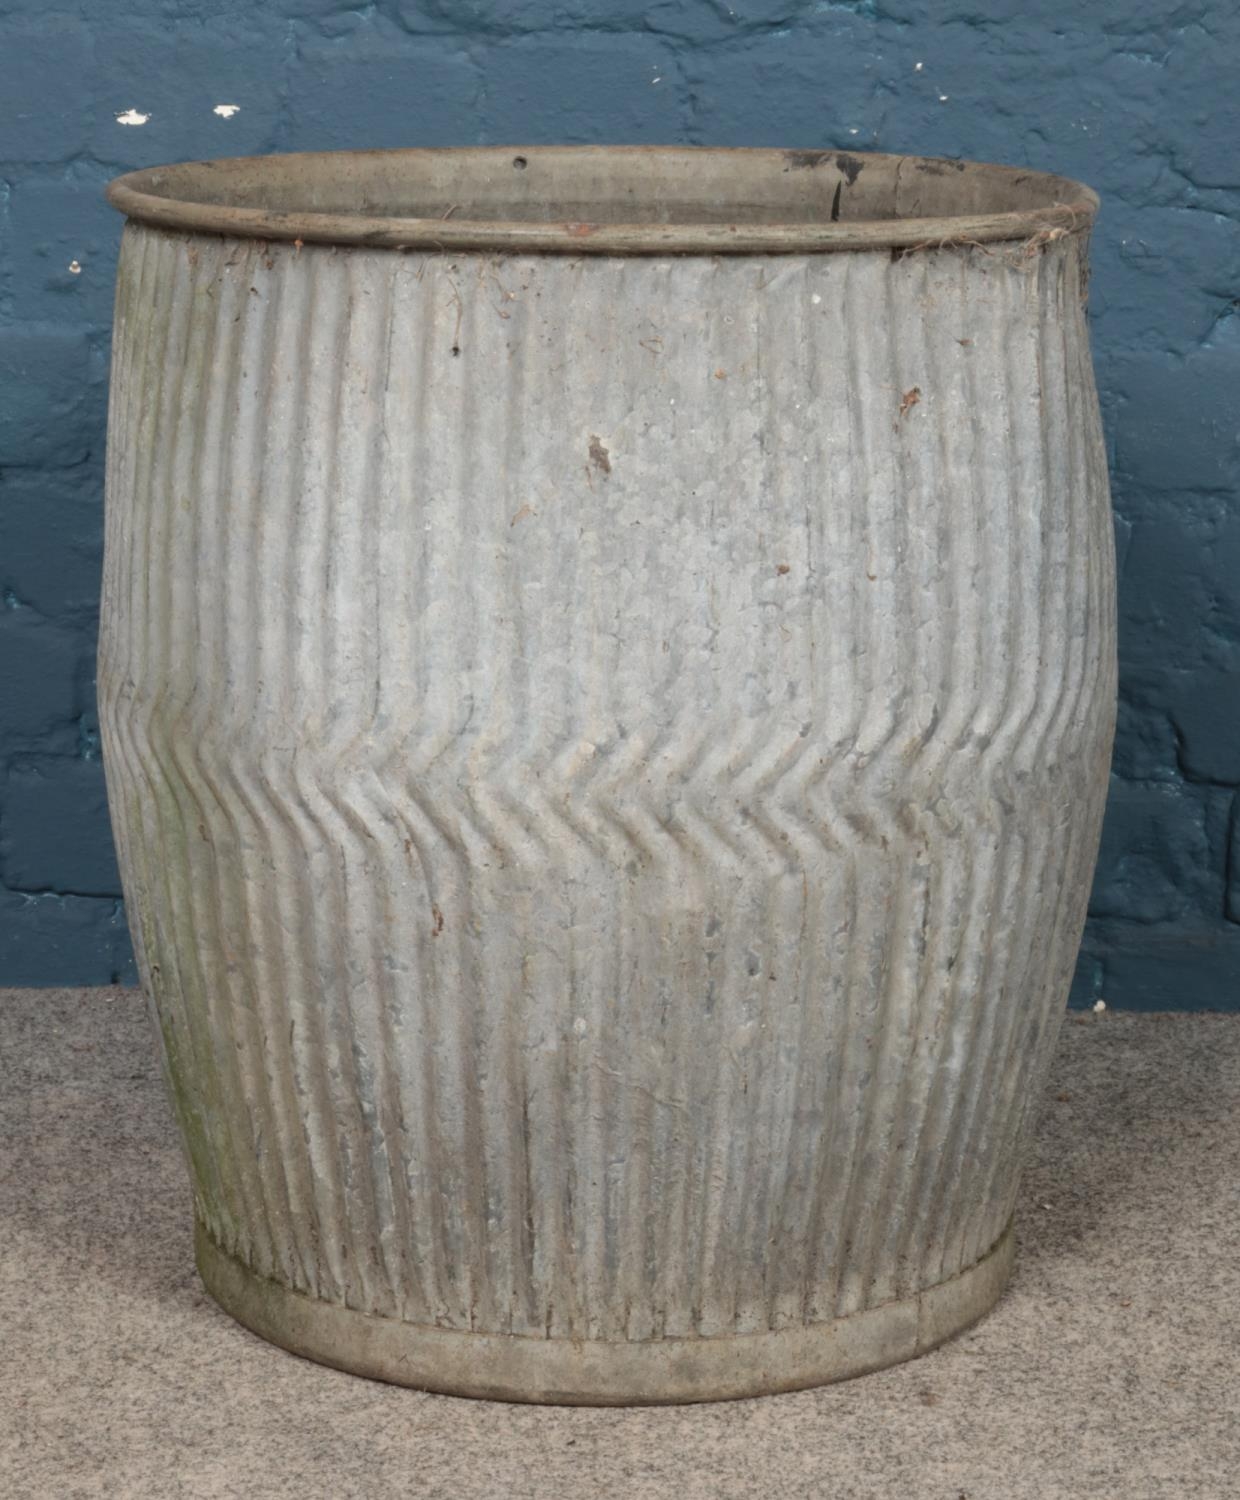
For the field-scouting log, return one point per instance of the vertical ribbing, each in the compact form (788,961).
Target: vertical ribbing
(1005,702)
(307,1171)
(606,777)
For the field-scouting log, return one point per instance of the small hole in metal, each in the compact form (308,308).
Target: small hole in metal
(520,163)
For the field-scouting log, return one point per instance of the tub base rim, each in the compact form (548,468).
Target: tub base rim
(511,1367)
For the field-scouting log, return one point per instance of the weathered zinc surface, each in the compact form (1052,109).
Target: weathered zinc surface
(500,650)
(1137,99)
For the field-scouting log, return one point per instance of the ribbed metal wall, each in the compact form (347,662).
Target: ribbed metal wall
(607,758)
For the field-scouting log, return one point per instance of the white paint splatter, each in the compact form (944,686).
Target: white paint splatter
(815,299)
(1099,1007)
(917,67)
(226,111)
(132,117)
(75,268)
(943,98)
(854,130)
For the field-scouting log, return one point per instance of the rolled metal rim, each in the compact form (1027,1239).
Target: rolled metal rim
(613,200)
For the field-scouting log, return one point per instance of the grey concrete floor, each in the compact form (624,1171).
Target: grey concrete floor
(1110,1369)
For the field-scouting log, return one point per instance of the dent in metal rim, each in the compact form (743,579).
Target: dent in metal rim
(594,1373)
(615,200)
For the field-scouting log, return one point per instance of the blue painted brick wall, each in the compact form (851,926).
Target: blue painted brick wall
(1137,97)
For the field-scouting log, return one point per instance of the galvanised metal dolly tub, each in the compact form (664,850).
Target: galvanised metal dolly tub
(607,678)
